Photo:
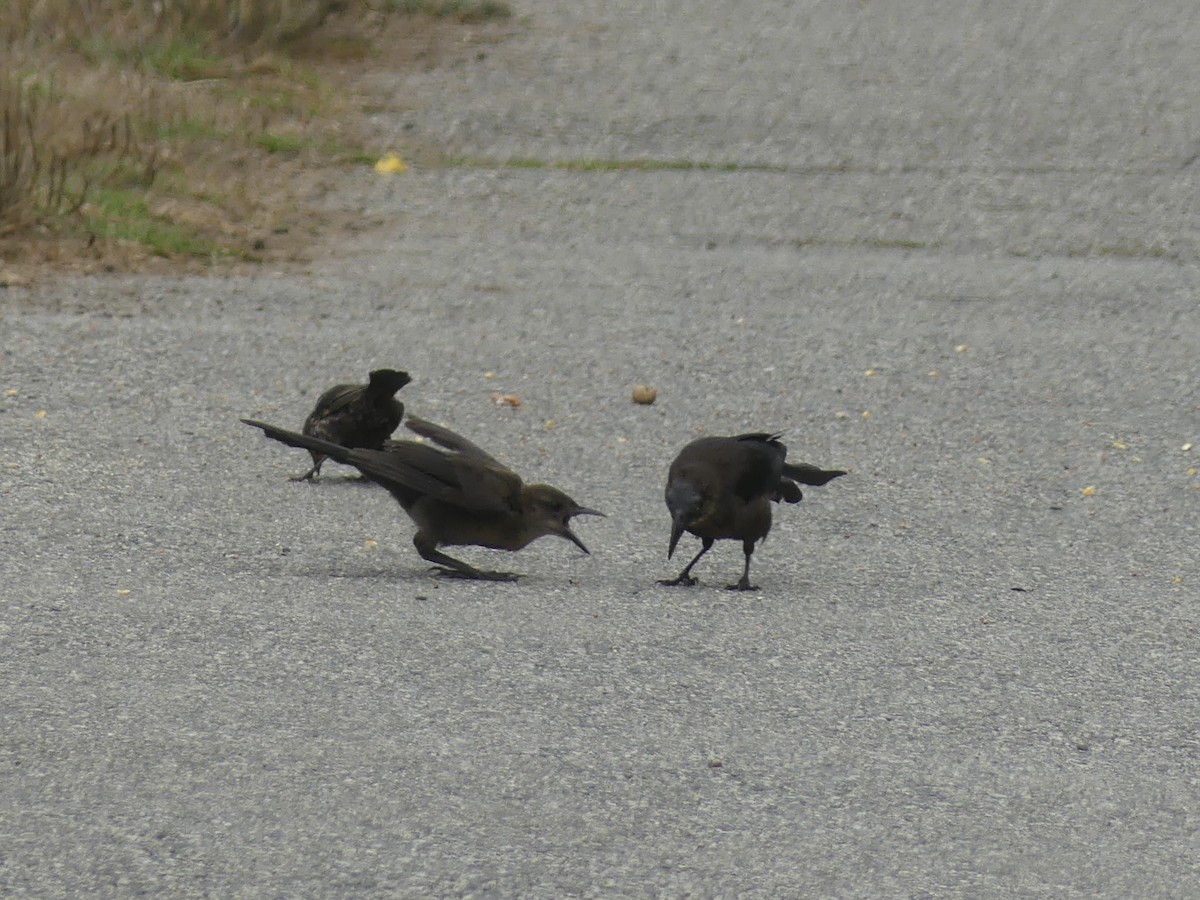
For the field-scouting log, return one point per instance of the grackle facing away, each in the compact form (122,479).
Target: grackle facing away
(722,488)
(355,415)
(457,495)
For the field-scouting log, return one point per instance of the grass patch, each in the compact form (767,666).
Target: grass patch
(116,214)
(282,143)
(804,243)
(605,165)
(190,129)
(644,165)
(621,165)
(180,59)
(459,10)
(1130,251)
(897,244)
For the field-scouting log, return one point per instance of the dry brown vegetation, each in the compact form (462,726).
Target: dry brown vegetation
(138,130)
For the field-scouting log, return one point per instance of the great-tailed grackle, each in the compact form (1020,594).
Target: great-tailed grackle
(722,487)
(356,415)
(457,495)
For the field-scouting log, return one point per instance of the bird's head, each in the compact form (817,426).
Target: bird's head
(389,380)
(549,511)
(686,503)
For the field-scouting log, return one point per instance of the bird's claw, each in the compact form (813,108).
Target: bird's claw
(681,581)
(743,585)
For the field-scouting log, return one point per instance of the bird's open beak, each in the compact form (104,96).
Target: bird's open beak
(574,539)
(676,534)
(572,536)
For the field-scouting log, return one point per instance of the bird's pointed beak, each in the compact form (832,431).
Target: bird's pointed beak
(572,536)
(574,539)
(676,534)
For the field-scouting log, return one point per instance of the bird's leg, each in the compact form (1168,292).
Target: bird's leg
(312,473)
(685,578)
(449,567)
(743,583)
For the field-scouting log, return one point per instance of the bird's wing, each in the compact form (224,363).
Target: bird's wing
(456,480)
(444,437)
(801,472)
(336,399)
(756,462)
(487,487)
(760,437)
(787,490)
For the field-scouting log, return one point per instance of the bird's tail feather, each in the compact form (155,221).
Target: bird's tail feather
(294,439)
(806,474)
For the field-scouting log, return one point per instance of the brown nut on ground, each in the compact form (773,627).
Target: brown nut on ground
(644,395)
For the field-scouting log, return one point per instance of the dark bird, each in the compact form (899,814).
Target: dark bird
(356,415)
(457,495)
(722,488)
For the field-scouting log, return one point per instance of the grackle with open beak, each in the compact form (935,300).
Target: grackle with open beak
(456,493)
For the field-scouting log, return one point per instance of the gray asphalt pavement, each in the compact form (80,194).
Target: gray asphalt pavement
(951,248)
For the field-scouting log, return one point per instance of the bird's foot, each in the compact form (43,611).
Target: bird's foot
(307,476)
(682,581)
(743,585)
(475,574)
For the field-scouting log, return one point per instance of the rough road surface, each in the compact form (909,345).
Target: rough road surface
(951,247)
